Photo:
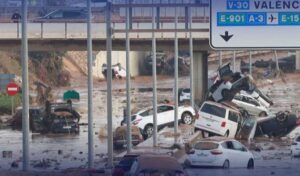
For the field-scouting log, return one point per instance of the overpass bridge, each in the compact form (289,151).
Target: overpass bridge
(70,36)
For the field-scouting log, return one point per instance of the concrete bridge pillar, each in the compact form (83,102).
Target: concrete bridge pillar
(200,76)
(298,60)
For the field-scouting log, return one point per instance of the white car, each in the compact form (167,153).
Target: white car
(295,147)
(259,96)
(117,71)
(250,104)
(165,116)
(219,119)
(220,152)
(185,95)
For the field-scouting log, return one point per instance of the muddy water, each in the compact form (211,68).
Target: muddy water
(70,151)
(62,151)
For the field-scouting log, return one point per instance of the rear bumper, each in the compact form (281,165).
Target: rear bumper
(210,130)
(216,163)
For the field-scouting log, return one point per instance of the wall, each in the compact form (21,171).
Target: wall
(118,57)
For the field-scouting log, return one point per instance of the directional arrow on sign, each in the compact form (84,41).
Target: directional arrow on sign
(226,36)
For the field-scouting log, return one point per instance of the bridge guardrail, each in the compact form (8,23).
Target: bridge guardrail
(69,30)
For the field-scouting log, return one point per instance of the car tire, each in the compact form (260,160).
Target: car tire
(263,114)
(148,131)
(226,164)
(187,163)
(187,118)
(250,164)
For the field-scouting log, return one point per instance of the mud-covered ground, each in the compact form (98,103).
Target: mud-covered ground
(60,152)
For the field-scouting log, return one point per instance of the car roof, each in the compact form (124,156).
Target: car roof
(217,139)
(225,105)
(150,107)
(155,162)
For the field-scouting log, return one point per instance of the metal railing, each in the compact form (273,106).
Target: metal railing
(70,30)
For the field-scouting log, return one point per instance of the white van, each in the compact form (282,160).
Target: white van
(220,119)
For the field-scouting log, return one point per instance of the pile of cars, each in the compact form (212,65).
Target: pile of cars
(236,108)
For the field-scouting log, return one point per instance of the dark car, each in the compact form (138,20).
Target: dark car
(56,118)
(63,15)
(124,165)
(286,64)
(62,118)
(279,125)
(36,116)
(160,62)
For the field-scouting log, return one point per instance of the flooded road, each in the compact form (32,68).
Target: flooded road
(61,151)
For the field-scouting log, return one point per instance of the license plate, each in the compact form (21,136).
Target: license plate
(202,154)
(67,127)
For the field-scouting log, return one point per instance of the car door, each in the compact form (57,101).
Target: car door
(231,153)
(147,117)
(233,121)
(165,114)
(241,154)
(248,105)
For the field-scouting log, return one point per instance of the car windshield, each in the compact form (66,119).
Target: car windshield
(187,90)
(214,110)
(206,146)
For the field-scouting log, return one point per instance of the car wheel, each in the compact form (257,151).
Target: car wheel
(250,164)
(187,163)
(187,118)
(205,134)
(148,131)
(263,114)
(226,164)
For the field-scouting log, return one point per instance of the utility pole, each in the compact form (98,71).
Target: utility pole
(191,58)
(25,89)
(250,63)
(90,88)
(128,85)
(154,80)
(176,78)
(109,86)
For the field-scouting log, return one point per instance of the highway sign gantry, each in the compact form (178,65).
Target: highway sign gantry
(254,24)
